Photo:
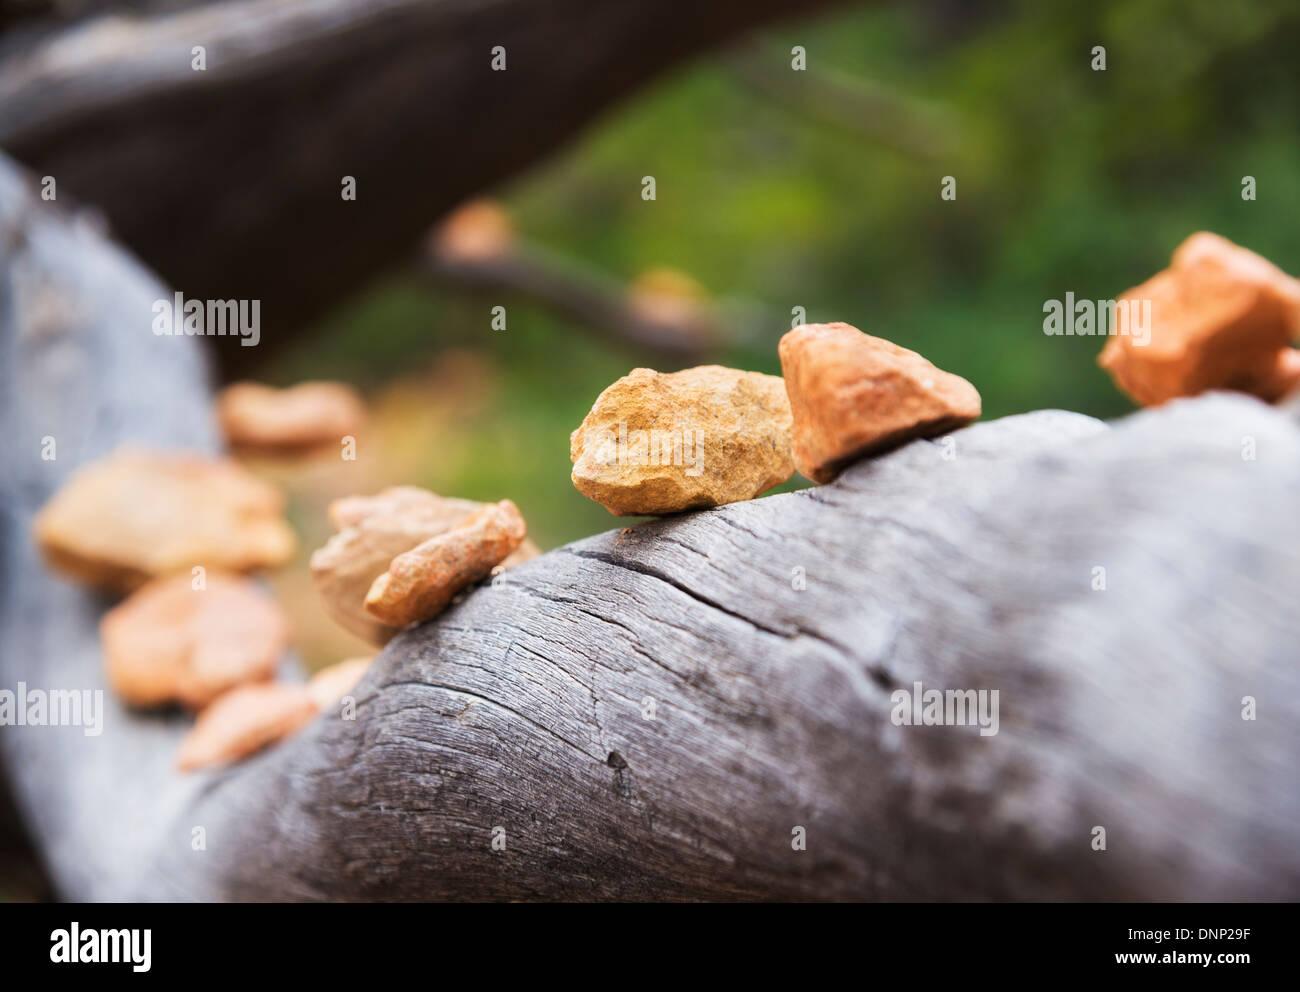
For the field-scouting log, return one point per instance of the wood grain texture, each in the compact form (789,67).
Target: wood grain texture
(522,707)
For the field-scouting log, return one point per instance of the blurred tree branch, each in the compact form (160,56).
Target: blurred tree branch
(679,330)
(881,114)
(227,179)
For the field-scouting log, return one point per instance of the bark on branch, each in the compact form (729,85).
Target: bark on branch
(527,706)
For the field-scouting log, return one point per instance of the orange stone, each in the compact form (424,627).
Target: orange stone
(475,232)
(244,721)
(260,418)
(372,531)
(1283,379)
(852,394)
(420,583)
(1222,317)
(169,642)
(140,513)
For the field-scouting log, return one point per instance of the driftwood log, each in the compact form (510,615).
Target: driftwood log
(227,180)
(967,563)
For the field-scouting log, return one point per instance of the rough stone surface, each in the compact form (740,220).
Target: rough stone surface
(409,504)
(1244,264)
(372,531)
(420,583)
(142,513)
(169,642)
(1222,317)
(331,684)
(243,722)
(311,415)
(659,443)
(853,394)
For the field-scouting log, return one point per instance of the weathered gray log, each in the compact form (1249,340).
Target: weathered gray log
(227,180)
(962,565)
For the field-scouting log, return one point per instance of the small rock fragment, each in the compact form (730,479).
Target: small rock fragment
(372,531)
(243,721)
(658,443)
(310,415)
(674,305)
(140,513)
(169,642)
(331,684)
(477,231)
(421,582)
(853,394)
(408,504)
(1221,317)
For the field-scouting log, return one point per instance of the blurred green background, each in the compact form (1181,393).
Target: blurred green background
(1068,179)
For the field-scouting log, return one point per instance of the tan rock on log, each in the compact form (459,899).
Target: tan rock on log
(372,531)
(658,443)
(259,418)
(169,642)
(1221,317)
(243,721)
(420,583)
(852,394)
(140,513)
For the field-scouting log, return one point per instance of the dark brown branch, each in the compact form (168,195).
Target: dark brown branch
(594,302)
(227,181)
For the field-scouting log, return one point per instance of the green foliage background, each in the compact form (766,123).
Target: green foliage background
(1068,179)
